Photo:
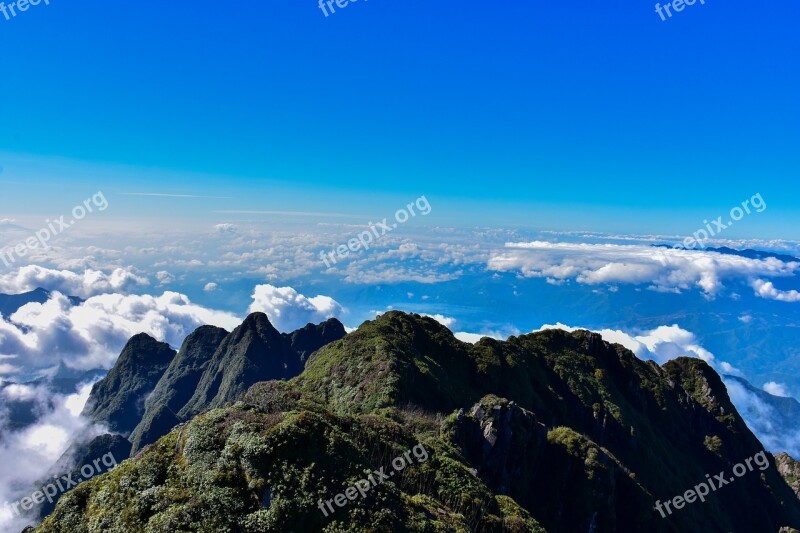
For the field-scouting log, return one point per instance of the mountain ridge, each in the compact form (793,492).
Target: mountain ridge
(550,431)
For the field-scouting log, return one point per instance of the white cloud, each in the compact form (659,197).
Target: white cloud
(90,283)
(8,369)
(500,335)
(210,287)
(767,290)
(226,228)
(471,338)
(395,274)
(19,393)
(446,321)
(164,277)
(663,269)
(727,368)
(289,310)
(776,389)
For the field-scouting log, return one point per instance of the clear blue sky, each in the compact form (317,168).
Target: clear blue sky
(497,109)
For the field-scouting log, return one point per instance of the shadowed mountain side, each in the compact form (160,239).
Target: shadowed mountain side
(253,352)
(118,399)
(312,337)
(177,386)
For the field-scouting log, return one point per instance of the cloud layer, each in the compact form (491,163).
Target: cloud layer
(661,269)
(763,421)
(28,454)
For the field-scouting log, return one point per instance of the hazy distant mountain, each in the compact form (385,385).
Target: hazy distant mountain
(748,253)
(551,431)
(787,408)
(10,303)
(65,380)
(754,254)
(774,419)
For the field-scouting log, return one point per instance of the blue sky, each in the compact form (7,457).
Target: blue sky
(573,116)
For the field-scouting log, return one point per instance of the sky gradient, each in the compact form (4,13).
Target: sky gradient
(555,114)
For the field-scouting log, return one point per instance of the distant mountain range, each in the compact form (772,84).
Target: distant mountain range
(10,303)
(551,431)
(748,253)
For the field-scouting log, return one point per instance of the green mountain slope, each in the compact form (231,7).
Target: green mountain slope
(549,431)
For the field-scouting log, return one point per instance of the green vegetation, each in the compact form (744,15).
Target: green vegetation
(550,431)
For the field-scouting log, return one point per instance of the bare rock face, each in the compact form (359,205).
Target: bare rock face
(498,437)
(790,470)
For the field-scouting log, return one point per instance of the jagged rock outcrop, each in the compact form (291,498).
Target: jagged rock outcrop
(501,441)
(790,470)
